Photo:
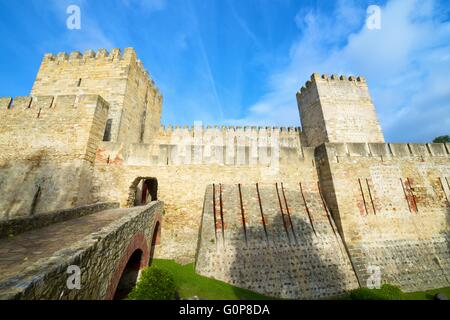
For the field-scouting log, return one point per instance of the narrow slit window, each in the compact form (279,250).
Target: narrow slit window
(79,82)
(107,134)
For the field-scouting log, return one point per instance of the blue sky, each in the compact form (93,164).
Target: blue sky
(241,62)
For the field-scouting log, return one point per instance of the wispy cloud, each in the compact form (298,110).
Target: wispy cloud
(150,5)
(244,26)
(204,57)
(406,64)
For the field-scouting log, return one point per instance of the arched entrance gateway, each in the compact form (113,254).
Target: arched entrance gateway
(142,191)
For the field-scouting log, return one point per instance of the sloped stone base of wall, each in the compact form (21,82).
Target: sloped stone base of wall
(290,250)
(413,265)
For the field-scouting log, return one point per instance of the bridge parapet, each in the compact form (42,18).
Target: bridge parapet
(19,225)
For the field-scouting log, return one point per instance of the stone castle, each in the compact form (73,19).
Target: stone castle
(304,212)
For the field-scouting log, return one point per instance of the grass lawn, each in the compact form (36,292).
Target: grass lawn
(391,293)
(191,284)
(426,295)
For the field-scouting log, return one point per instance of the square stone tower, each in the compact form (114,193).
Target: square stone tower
(135,101)
(337,109)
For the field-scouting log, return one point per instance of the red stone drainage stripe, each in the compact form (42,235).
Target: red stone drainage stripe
(325,208)
(311,222)
(214,211)
(221,214)
(330,220)
(364,198)
(289,214)
(443,189)
(370,195)
(411,192)
(406,196)
(262,213)
(282,214)
(242,213)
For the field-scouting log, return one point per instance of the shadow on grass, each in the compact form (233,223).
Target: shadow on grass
(191,285)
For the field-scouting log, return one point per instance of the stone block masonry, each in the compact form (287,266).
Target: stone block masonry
(48,149)
(276,239)
(337,109)
(121,79)
(182,187)
(391,204)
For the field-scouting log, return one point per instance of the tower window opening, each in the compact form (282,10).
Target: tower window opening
(107,134)
(79,82)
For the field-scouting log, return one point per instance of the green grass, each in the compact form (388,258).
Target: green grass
(190,284)
(426,295)
(389,292)
(154,284)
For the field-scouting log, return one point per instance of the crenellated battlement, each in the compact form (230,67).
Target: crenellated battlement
(231,136)
(102,54)
(90,57)
(331,79)
(118,77)
(387,150)
(337,109)
(34,103)
(216,128)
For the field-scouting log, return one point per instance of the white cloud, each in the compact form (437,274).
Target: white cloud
(406,64)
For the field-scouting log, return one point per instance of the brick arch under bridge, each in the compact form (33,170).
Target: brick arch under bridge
(105,245)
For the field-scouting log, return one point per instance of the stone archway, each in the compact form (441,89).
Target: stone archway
(129,276)
(143,190)
(134,258)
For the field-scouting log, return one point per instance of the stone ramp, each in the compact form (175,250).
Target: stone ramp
(21,251)
(34,263)
(279,241)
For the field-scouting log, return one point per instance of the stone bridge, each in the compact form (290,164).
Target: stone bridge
(109,246)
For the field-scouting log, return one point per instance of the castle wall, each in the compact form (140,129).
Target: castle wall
(182,186)
(389,202)
(338,109)
(135,102)
(391,205)
(276,239)
(48,149)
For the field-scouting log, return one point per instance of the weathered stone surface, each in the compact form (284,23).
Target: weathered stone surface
(393,213)
(47,154)
(336,110)
(13,227)
(279,241)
